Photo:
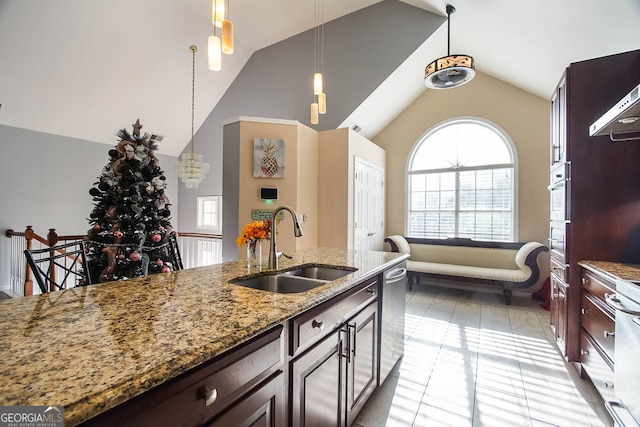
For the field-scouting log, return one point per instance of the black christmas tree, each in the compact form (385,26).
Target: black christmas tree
(130,221)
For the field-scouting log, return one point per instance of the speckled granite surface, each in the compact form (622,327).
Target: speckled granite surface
(613,270)
(92,348)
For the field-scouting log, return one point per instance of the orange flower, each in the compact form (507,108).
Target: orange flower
(254,231)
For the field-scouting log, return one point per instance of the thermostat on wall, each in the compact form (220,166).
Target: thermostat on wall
(268,193)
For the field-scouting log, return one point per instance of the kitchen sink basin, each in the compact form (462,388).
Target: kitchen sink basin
(322,273)
(293,281)
(281,283)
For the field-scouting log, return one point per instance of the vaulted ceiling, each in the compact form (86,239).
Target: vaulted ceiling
(84,69)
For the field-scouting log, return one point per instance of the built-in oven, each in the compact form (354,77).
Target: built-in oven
(626,301)
(559,188)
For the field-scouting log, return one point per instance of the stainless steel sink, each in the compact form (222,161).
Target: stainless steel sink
(297,280)
(322,273)
(281,283)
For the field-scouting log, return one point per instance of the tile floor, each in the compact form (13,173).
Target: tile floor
(471,360)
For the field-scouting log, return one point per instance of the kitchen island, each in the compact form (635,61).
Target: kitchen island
(92,348)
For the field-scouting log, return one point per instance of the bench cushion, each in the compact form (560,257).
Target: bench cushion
(465,256)
(486,273)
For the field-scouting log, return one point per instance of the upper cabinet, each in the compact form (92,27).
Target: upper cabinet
(558,123)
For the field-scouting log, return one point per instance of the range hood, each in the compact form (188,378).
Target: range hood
(621,119)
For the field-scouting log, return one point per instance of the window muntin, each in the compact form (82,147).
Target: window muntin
(461,183)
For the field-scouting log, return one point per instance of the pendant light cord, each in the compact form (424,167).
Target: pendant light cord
(193,92)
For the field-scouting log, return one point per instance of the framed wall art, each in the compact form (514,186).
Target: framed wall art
(268,158)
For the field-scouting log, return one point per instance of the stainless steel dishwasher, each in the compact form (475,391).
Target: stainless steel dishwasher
(626,410)
(392,307)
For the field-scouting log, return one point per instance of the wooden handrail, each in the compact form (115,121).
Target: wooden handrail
(53,239)
(203,235)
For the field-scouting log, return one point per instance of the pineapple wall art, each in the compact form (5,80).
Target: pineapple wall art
(268,158)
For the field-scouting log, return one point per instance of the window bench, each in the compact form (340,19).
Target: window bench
(509,265)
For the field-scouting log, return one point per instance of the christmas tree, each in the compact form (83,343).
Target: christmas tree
(130,221)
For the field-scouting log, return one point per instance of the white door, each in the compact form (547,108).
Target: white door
(368,206)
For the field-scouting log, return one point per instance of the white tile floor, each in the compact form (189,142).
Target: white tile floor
(471,360)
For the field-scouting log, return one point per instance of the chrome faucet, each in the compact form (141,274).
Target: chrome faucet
(273,248)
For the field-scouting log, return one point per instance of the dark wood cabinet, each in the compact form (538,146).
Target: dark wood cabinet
(598,181)
(597,342)
(558,124)
(201,395)
(263,407)
(318,384)
(362,362)
(559,310)
(333,378)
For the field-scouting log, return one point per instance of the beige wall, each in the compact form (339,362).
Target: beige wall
(307,188)
(333,168)
(337,151)
(523,116)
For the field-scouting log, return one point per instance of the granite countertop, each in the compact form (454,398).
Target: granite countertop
(92,348)
(613,270)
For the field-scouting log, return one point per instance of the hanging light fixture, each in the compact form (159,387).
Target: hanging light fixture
(319,104)
(191,168)
(223,44)
(452,70)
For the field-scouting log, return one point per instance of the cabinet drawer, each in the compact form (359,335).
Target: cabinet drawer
(183,401)
(559,269)
(557,241)
(597,367)
(599,324)
(320,321)
(597,286)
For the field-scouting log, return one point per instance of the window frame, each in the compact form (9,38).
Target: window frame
(459,120)
(200,206)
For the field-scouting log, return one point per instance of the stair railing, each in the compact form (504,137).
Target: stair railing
(197,249)
(21,279)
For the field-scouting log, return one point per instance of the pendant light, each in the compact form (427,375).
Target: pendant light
(191,168)
(319,104)
(227,30)
(223,44)
(452,70)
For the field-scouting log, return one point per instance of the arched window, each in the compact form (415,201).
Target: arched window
(460,178)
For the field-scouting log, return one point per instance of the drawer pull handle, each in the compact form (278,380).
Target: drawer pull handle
(371,291)
(316,324)
(584,352)
(585,281)
(585,311)
(209,396)
(607,384)
(608,334)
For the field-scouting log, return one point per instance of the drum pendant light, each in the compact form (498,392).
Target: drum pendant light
(452,70)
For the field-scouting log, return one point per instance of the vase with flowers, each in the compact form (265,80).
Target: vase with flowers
(252,236)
